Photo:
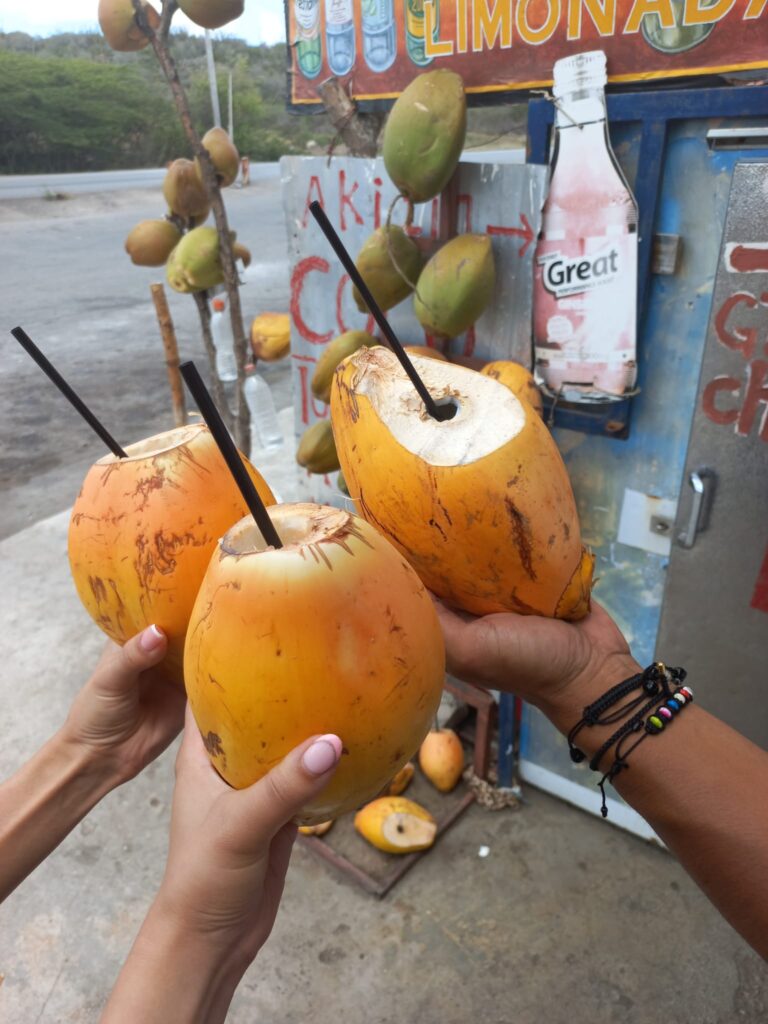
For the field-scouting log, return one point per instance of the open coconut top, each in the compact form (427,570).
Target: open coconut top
(299,525)
(488,414)
(157,444)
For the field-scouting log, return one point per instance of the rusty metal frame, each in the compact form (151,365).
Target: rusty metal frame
(485,706)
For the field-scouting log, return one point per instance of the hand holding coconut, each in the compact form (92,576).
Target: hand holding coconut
(227,860)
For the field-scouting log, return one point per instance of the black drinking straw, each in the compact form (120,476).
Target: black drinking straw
(215,424)
(437,412)
(69,393)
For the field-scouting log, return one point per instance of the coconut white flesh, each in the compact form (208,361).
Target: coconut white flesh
(156,444)
(488,414)
(298,525)
(406,830)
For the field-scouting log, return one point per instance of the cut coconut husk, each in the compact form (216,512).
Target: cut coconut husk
(332,633)
(426,352)
(117,20)
(151,242)
(316,830)
(456,286)
(212,13)
(184,192)
(441,758)
(401,781)
(394,824)
(271,336)
(143,530)
(317,449)
(223,154)
(390,263)
(519,381)
(341,347)
(481,504)
(424,134)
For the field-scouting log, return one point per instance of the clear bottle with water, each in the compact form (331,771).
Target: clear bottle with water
(224,342)
(265,426)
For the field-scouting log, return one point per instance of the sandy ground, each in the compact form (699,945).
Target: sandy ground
(566,921)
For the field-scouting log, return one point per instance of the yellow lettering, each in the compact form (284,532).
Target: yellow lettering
(754,9)
(461,26)
(488,25)
(603,17)
(536,36)
(694,15)
(434,47)
(662,8)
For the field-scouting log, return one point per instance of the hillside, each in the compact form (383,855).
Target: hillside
(70,103)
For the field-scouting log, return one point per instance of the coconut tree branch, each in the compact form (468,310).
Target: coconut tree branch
(169,9)
(231,280)
(201,301)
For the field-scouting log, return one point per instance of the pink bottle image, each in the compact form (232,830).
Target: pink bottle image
(585,267)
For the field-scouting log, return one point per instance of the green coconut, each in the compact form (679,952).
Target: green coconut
(317,449)
(195,263)
(337,350)
(456,286)
(424,135)
(223,154)
(379,270)
(151,242)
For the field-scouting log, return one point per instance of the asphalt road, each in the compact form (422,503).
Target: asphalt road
(68,282)
(37,186)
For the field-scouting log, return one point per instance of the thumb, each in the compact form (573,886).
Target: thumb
(120,667)
(264,808)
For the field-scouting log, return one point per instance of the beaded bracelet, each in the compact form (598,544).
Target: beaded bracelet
(656,723)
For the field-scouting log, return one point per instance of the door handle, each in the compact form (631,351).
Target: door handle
(702,483)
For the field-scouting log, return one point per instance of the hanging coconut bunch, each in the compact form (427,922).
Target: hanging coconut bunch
(212,13)
(368,663)
(390,263)
(424,134)
(519,381)
(334,353)
(223,154)
(151,242)
(271,336)
(143,530)
(117,20)
(317,449)
(456,286)
(195,263)
(480,505)
(185,193)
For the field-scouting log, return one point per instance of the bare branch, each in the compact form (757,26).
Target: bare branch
(169,9)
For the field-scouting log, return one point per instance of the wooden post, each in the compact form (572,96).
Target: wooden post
(171,353)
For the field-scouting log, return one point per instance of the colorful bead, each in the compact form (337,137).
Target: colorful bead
(673,706)
(654,724)
(664,712)
(687,691)
(679,697)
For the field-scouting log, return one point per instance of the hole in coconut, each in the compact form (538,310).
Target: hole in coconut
(446,409)
(157,444)
(297,524)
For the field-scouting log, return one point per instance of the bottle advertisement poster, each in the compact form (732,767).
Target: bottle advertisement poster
(510,46)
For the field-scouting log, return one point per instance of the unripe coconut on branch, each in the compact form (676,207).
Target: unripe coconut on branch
(424,134)
(151,242)
(332,633)
(143,530)
(390,263)
(481,504)
(334,352)
(185,193)
(195,264)
(224,156)
(117,20)
(456,286)
(212,13)
(317,449)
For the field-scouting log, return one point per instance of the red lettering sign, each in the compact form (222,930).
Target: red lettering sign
(304,267)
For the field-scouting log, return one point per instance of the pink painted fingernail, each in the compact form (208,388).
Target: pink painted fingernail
(322,755)
(151,639)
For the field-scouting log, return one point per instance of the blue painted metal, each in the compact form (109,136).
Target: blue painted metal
(691,193)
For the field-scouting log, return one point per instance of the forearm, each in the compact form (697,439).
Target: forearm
(174,974)
(703,788)
(42,803)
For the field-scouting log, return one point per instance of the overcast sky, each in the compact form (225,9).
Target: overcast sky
(263,21)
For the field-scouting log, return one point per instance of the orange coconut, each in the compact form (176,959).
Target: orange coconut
(441,758)
(143,530)
(519,381)
(334,632)
(481,504)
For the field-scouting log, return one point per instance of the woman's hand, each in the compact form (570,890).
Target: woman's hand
(228,856)
(128,711)
(550,663)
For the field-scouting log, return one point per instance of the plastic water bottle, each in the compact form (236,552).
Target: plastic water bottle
(265,426)
(224,342)
(379,39)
